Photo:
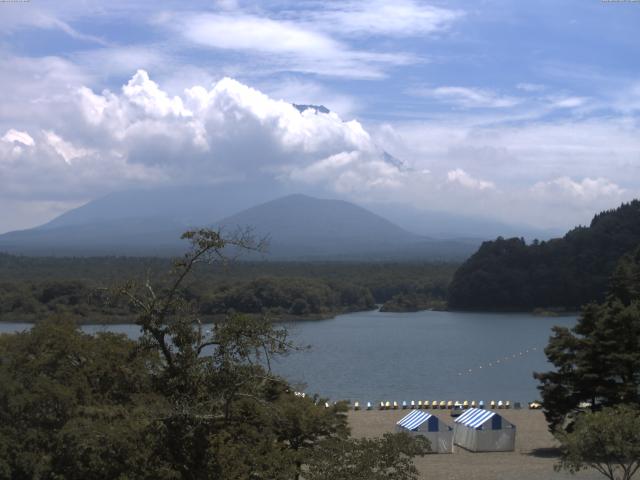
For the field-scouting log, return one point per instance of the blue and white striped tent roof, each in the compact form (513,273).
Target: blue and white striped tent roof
(475,417)
(414,419)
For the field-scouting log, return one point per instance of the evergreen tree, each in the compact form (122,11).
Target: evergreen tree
(597,361)
(567,272)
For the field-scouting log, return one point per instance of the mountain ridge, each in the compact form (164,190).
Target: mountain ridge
(301,227)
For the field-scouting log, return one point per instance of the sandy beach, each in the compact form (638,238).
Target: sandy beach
(534,456)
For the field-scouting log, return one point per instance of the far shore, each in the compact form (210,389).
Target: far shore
(281,318)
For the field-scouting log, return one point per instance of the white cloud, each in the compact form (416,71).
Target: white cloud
(299,91)
(568,102)
(65,149)
(281,44)
(248,32)
(587,190)
(401,18)
(146,93)
(88,142)
(515,158)
(463,178)
(16,136)
(467,97)
(39,16)
(144,135)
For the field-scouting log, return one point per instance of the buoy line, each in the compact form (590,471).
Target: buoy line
(499,361)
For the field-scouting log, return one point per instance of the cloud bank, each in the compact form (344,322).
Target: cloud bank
(71,143)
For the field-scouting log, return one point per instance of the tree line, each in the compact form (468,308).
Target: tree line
(564,273)
(32,288)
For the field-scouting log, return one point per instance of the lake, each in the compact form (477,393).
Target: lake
(373,356)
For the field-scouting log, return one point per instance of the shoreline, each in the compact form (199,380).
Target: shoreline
(290,318)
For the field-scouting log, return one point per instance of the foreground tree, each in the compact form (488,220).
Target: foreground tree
(184,402)
(598,361)
(75,406)
(389,457)
(607,441)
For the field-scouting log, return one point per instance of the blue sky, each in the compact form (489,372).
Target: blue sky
(526,112)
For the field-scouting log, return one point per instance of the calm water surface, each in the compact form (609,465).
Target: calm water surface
(373,356)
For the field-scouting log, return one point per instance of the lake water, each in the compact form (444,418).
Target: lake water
(373,356)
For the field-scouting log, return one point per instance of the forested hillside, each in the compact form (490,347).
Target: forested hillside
(509,274)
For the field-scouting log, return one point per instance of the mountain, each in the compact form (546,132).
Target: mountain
(300,227)
(446,225)
(316,108)
(567,272)
(304,227)
(179,206)
(134,222)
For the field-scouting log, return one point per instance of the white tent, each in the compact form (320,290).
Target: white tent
(422,423)
(481,430)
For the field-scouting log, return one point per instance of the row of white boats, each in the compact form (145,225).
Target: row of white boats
(437,404)
(444,405)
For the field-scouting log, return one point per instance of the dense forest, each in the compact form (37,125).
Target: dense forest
(33,287)
(509,274)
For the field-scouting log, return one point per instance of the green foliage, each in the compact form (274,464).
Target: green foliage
(33,288)
(290,296)
(183,402)
(413,302)
(508,274)
(389,457)
(607,441)
(67,396)
(598,361)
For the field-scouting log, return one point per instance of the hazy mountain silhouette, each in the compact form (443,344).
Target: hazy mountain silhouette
(300,227)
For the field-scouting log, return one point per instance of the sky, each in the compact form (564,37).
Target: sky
(526,112)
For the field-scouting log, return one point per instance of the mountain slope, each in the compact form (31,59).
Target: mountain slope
(134,222)
(186,206)
(300,227)
(568,272)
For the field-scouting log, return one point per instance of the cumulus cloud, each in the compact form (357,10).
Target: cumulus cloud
(69,143)
(146,93)
(587,190)
(552,175)
(230,130)
(463,178)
